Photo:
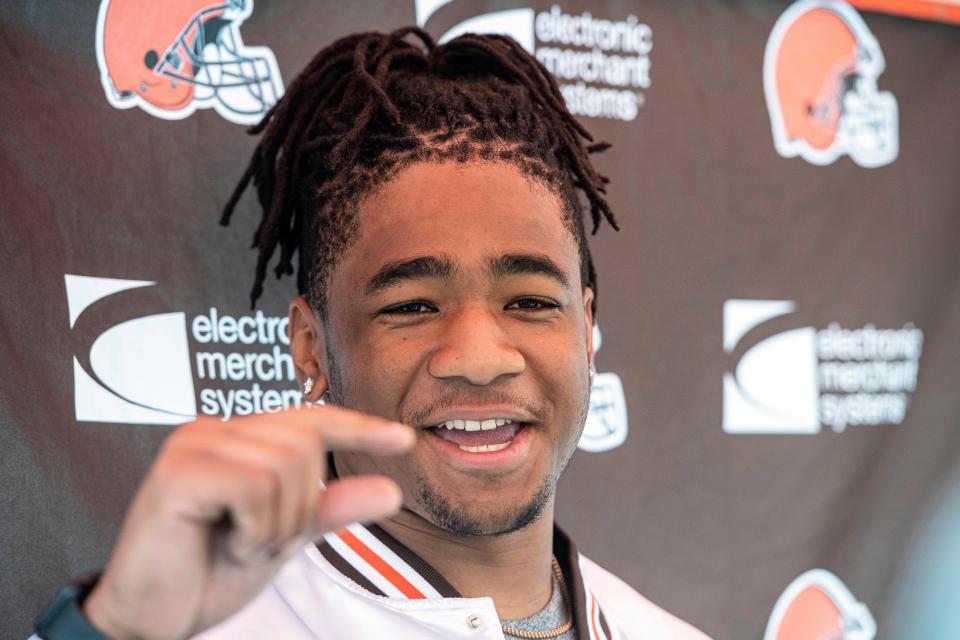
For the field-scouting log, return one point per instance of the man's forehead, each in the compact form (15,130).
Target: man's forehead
(477,215)
(455,189)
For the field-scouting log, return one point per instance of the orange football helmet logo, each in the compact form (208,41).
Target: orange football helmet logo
(173,57)
(818,606)
(820,75)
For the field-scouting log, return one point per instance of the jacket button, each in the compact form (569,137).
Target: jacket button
(474,621)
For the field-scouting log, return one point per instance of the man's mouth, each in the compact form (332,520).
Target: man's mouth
(479,436)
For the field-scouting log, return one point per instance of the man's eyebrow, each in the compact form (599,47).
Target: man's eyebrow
(527,263)
(394,273)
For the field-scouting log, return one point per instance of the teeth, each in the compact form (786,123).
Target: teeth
(475,425)
(485,448)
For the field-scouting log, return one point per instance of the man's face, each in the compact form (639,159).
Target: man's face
(459,310)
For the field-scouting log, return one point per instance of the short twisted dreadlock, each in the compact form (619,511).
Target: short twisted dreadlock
(371,104)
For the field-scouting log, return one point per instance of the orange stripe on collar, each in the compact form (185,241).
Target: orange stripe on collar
(380,565)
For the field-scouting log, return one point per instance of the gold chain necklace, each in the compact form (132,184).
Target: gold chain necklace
(552,633)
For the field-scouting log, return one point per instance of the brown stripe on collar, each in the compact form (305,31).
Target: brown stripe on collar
(569,559)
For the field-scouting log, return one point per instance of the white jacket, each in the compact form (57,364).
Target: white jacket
(361,584)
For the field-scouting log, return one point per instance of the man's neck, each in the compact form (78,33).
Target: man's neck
(513,569)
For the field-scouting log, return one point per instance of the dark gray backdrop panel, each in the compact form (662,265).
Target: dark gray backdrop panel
(710,525)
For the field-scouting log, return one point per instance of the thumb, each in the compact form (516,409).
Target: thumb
(356,499)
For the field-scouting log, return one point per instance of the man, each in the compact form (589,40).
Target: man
(447,303)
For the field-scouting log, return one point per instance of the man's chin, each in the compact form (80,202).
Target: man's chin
(473,520)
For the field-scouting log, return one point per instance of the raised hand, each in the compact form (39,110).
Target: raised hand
(224,505)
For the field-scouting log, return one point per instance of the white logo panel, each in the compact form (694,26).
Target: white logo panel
(147,362)
(774,386)
(143,364)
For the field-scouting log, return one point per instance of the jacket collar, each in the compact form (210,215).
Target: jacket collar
(381,565)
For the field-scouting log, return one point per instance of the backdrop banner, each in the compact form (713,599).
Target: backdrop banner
(778,395)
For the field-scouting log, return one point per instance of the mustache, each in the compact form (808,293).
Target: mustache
(449,398)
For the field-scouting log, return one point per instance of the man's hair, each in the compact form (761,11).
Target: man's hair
(371,104)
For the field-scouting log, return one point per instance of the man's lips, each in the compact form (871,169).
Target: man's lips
(480,430)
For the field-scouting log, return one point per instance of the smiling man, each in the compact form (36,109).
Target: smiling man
(445,317)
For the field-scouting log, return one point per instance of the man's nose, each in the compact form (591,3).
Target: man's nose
(475,348)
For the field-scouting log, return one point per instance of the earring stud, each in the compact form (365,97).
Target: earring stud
(308,386)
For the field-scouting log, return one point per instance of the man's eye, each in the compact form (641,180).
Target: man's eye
(408,308)
(533,304)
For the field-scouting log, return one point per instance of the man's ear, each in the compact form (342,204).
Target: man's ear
(308,348)
(588,321)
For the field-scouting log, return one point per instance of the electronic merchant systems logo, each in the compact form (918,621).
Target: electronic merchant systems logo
(796,380)
(602,64)
(143,369)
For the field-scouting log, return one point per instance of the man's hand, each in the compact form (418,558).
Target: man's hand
(222,508)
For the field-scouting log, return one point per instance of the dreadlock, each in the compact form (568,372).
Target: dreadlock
(369,105)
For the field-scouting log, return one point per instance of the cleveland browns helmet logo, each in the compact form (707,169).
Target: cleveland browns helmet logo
(173,57)
(818,606)
(820,75)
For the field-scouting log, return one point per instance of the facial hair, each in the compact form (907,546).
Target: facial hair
(458,521)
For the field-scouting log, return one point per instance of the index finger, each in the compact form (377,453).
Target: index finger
(347,430)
